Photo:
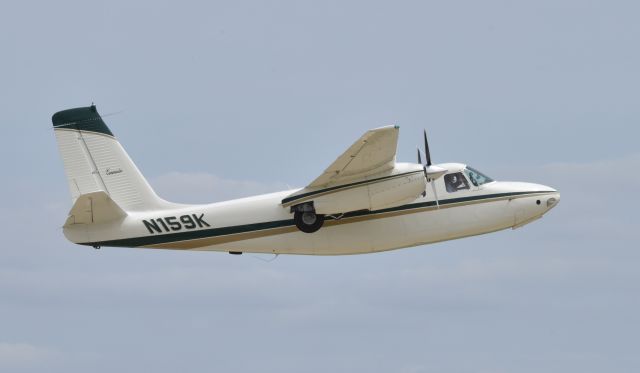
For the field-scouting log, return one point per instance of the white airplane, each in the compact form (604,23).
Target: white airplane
(363,202)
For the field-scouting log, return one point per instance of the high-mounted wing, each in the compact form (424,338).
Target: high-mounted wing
(365,177)
(372,153)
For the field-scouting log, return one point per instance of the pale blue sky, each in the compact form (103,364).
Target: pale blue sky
(216,100)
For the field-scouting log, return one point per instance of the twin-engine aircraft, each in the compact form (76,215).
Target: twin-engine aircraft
(363,202)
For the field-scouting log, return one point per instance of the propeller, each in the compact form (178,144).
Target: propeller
(431,172)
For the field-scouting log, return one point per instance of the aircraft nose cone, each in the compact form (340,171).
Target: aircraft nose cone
(538,200)
(553,200)
(550,198)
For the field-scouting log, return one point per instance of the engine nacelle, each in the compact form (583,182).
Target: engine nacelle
(388,192)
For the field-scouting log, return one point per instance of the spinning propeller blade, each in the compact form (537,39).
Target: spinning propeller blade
(435,194)
(426,149)
(431,172)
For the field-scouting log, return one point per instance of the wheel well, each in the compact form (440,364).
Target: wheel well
(303,207)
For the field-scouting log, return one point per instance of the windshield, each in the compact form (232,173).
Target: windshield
(476,177)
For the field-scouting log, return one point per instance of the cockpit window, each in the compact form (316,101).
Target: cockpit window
(477,178)
(455,182)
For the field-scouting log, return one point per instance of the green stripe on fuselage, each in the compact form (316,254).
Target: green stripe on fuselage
(224,231)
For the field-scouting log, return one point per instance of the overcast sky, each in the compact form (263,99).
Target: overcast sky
(215,100)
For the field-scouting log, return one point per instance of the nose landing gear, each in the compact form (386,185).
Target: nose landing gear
(306,219)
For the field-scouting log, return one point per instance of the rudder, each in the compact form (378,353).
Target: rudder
(94,161)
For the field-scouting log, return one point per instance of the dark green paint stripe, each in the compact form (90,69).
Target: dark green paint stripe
(223,231)
(81,119)
(192,235)
(338,187)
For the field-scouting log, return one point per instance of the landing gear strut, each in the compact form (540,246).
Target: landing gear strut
(306,218)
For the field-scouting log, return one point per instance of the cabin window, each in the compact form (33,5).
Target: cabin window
(476,177)
(455,182)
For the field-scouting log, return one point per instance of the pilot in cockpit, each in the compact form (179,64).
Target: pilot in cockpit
(455,182)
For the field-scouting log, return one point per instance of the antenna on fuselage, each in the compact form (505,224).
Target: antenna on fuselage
(275,256)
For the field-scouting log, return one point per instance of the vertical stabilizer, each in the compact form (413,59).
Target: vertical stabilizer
(94,161)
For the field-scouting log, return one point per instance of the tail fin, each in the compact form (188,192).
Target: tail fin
(96,164)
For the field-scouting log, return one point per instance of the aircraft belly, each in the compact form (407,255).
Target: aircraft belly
(450,223)
(383,234)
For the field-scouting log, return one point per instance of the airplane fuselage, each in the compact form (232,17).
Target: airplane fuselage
(364,202)
(261,225)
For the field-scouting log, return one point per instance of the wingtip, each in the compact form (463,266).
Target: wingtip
(385,128)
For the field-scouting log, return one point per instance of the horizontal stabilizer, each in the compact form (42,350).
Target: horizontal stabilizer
(94,208)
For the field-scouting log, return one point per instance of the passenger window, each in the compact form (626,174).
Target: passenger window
(455,182)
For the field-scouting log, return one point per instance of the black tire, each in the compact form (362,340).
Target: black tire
(309,221)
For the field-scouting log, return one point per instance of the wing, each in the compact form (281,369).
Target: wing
(372,153)
(365,177)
